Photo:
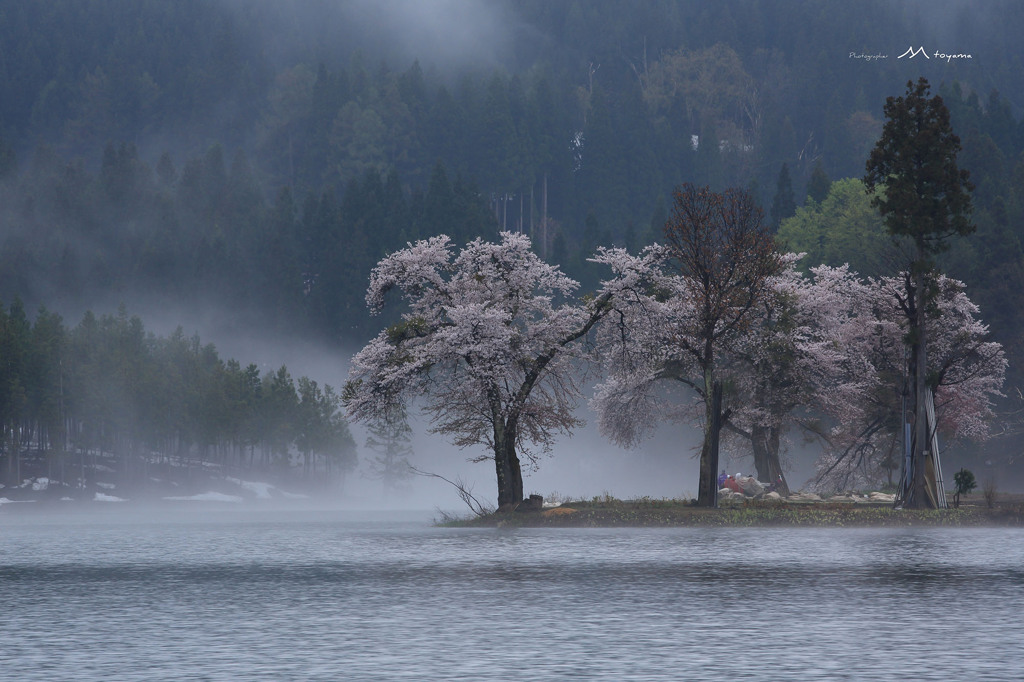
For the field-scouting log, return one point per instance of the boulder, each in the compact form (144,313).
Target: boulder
(726,496)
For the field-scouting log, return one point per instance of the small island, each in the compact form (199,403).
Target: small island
(850,510)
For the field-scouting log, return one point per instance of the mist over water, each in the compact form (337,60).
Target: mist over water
(580,465)
(331,587)
(341,595)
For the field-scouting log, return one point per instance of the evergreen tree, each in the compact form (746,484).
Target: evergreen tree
(819,184)
(280,406)
(17,356)
(321,431)
(45,384)
(925,199)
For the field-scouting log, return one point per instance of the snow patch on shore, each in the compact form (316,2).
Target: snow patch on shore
(41,483)
(265,491)
(206,497)
(261,490)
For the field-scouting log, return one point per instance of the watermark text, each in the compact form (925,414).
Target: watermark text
(912,53)
(868,57)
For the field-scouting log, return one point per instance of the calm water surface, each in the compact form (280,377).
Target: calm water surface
(246,595)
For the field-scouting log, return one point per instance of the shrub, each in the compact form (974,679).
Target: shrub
(965,483)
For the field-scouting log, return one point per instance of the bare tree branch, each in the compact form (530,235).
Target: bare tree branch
(464,492)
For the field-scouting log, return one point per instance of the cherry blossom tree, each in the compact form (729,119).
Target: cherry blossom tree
(651,376)
(860,354)
(491,342)
(855,365)
(825,353)
(704,290)
(966,370)
(725,258)
(769,373)
(640,353)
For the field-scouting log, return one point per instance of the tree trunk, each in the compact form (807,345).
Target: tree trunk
(918,496)
(13,457)
(507,468)
(765,441)
(707,487)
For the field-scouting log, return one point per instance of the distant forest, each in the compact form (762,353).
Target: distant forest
(105,396)
(261,156)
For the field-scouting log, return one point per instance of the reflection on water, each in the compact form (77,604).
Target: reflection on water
(335,597)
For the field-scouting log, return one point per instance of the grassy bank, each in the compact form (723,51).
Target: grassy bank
(667,513)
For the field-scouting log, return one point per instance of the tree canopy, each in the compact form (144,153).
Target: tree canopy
(924,195)
(713,275)
(859,347)
(491,341)
(842,228)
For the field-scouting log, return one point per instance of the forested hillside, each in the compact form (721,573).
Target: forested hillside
(258,157)
(270,152)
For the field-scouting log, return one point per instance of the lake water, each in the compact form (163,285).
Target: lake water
(249,595)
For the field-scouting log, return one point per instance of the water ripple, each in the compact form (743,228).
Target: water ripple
(331,600)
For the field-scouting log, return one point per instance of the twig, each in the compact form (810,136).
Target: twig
(465,493)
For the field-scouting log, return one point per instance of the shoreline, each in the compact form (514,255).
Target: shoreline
(751,514)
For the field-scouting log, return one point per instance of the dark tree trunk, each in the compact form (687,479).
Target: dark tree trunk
(707,492)
(765,441)
(918,497)
(507,468)
(13,457)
